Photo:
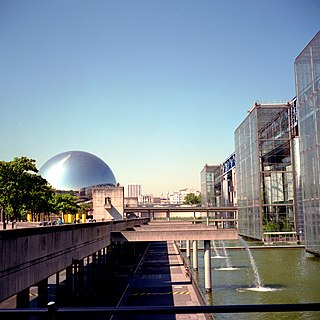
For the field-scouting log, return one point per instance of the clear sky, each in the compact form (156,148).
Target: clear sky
(155,88)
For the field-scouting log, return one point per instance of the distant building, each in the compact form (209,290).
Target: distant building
(177,197)
(146,199)
(307,74)
(134,190)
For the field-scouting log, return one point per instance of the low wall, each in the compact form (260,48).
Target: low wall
(33,254)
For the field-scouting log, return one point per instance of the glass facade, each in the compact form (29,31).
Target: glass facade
(265,182)
(228,192)
(208,192)
(248,199)
(277,187)
(307,74)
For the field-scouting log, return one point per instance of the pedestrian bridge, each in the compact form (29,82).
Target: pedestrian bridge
(175,230)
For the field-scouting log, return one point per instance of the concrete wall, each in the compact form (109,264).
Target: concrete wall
(131,201)
(108,203)
(33,254)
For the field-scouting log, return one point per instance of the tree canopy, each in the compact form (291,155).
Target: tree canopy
(85,207)
(65,203)
(20,187)
(22,190)
(191,198)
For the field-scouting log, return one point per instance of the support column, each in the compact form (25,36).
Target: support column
(69,286)
(75,281)
(81,291)
(207,265)
(57,287)
(207,217)
(93,275)
(42,293)
(168,215)
(188,248)
(195,254)
(23,298)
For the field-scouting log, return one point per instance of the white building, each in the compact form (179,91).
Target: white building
(177,197)
(134,190)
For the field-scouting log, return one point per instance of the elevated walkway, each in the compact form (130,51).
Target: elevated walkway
(162,280)
(34,254)
(170,231)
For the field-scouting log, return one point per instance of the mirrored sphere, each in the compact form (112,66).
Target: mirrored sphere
(73,170)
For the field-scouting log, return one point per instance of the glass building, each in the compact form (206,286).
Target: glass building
(264,149)
(209,193)
(228,182)
(307,76)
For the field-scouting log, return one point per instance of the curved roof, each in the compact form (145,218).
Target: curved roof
(73,170)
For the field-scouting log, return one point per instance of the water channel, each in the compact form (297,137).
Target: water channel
(261,276)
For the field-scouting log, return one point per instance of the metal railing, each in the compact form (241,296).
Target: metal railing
(288,236)
(53,312)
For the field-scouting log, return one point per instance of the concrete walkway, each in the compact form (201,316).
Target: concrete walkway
(161,280)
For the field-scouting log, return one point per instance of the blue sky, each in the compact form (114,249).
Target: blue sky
(154,88)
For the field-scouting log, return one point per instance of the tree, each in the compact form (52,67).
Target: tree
(85,208)
(65,203)
(4,189)
(191,198)
(14,177)
(39,198)
(22,190)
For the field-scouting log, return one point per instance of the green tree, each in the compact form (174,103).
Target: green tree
(5,188)
(39,198)
(85,207)
(22,190)
(65,203)
(191,198)
(14,177)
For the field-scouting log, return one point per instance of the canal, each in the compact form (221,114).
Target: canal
(261,276)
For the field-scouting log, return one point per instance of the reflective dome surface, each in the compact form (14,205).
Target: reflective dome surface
(73,170)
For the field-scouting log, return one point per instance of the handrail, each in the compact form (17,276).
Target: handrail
(55,312)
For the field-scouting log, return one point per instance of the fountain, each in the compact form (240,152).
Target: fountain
(257,280)
(292,274)
(217,254)
(228,261)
